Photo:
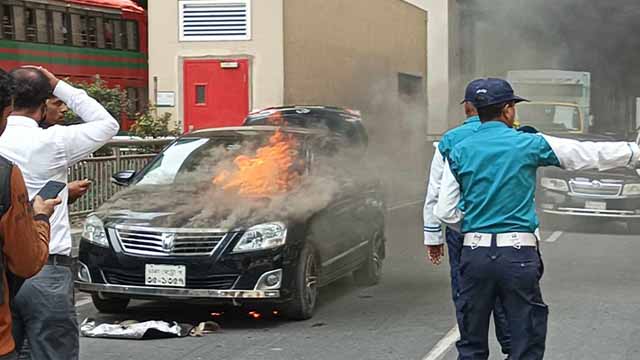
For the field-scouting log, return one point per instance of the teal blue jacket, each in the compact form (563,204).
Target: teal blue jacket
(496,169)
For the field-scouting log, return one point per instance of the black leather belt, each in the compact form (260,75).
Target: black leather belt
(60,260)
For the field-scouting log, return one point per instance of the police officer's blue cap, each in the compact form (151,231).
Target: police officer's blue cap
(470,92)
(494,91)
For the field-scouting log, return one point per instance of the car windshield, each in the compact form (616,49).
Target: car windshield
(201,159)
(550,117)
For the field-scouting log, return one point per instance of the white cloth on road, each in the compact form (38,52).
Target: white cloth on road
(46,154)
(150,329)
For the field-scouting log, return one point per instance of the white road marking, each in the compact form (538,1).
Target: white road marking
(554,236)
(83,302)
(404,205)
(444,345)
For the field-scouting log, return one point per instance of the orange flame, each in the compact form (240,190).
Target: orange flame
(254,314)
(269,172)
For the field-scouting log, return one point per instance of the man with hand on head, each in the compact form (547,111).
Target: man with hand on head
(24,230)
(433,227)
(55,115)
(44,310)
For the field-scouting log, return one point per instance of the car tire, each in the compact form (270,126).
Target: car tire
(305,291)
(110,305)
(370,273)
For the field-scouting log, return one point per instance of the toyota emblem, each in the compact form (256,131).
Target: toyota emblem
(168,240)
(596,184)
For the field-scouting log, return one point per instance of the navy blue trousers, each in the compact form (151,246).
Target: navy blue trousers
(454,245)
(511,276)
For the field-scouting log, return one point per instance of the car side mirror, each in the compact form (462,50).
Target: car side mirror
(123,178)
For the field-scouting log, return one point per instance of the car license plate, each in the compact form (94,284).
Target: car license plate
(165,275)
(596,205)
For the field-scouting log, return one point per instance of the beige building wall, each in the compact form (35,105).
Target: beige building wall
(265,51)
(350,53)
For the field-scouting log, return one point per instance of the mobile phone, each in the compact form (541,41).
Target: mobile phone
(51,190)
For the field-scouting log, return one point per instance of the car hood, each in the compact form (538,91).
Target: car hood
(200,206)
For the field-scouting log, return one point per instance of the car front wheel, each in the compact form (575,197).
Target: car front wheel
(110,305)
(370,272)
(305,292)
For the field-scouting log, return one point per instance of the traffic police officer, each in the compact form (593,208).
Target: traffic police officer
(432,225)
(494,171)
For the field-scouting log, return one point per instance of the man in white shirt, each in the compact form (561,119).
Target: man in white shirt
(44,308)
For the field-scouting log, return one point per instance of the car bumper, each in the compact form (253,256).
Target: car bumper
(111,273)
(582,212)
(563,204)
(175,293)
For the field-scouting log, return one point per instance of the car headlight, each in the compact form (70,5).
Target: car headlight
(93,231)
(554,184)
(262,237)
(631,189)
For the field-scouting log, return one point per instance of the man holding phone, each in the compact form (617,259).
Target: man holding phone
(55,114)
(44,310)
(24,229)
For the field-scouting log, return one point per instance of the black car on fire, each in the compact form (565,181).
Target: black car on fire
(253,215)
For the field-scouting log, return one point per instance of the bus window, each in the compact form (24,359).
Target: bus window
(117,34)
(31,27)
(92,39)
(132,35)
(18,23)
(42,26)
(59,21)
(6,27)
(108,33)
(76,29)
(84,36)
(99,31)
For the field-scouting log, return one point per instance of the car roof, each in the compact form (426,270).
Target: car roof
(340,121)
(251,130)
(286,108)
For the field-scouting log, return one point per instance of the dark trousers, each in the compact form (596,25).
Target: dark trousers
(454,245)
(44,313)
(512,276)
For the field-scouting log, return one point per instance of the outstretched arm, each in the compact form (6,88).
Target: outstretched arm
(579,155)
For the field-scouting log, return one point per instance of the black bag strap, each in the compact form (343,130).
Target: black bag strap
(6,168)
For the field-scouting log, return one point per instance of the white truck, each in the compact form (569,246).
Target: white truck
(560,99)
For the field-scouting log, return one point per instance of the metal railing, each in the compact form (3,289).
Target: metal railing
(115,156)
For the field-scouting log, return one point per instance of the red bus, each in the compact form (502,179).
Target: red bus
(80,39)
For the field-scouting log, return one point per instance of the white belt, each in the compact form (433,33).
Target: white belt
(515,239)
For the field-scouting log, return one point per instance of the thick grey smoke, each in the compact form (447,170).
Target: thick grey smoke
(193,201)
(581,35)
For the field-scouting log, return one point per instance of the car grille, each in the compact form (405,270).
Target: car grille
(595,188)
(217,282)
(168,242)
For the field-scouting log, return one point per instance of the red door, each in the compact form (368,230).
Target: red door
(216,93)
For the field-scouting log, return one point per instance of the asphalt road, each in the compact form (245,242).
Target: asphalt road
(592,284)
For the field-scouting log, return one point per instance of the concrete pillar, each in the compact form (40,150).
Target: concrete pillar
(441,52)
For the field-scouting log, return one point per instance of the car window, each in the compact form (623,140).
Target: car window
(200,160)
(164,169)
(550,117)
